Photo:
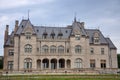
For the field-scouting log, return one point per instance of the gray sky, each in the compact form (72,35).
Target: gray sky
(102,14)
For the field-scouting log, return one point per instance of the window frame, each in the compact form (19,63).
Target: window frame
(28,48)
(11,52)
(78,49)
(28,35)
(60,49)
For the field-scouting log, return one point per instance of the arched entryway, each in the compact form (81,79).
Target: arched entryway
(78,63)
(61,63)
(53,63)
(28,63)
(68,62)
(38,64)
(45,63)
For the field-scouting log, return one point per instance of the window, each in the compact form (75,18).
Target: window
(67,50)
(45,35)
(10,65)
(91,50)
(28,48)
(78,63)
(11,52)
(96,37)
(27,63)
(102,50)
(52,34)
(12,41)
(45,49)
(92,63)
(60,34)
(78,49)
(37,49)
(96,40)
(28,35)
(77,37)
(53,49)
(61,49)
(103,63)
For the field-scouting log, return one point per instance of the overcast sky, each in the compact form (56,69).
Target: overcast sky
(102,14)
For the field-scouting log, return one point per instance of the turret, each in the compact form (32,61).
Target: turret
(6,33)
(16,26)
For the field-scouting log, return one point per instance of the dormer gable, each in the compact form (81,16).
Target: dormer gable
(28,28)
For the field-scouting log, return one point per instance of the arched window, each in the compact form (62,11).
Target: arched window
(52,49)
(45,49)
(61,49)
(78,63)
(27,63)
(78,49)
(28,48)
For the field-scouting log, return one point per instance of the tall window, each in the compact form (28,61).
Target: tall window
(77,37)
(78,63)
(103,63)
(92,50)
(60,49)
(53,49)
(28,48)
(78,49)
(45,49)
(10,65)
(102,50)
(92,63)
(96,37)
(11,52)
(28,35)
(27,63)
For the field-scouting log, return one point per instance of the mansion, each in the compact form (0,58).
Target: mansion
(30,48)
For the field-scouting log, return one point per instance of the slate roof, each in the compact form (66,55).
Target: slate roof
(90,33)
(111,45)
(11,36)
(66,31)
(40,30)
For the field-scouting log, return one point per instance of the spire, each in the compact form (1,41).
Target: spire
(75,17)
(28,14)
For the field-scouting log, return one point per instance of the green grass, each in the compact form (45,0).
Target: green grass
(61,77)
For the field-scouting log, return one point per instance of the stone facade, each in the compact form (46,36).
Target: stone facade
(40,48)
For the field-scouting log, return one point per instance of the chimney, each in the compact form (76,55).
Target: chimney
(82,24)
(16,26)
(6,33)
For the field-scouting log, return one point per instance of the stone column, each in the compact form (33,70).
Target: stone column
(65,64)
(41,65)
(57,64)
(50,64)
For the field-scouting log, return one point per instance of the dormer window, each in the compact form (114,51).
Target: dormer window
(28,35)
(12,41)
(52,34)
(60,34)
(45,35)
(96,38)
(77,37)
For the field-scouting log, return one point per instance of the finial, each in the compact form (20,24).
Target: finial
(28,14)
(75,16)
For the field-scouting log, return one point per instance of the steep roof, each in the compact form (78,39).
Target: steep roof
(110,43)
(39,30)
(90,33)
(66,31)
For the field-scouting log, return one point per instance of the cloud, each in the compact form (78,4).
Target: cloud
(7,4)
